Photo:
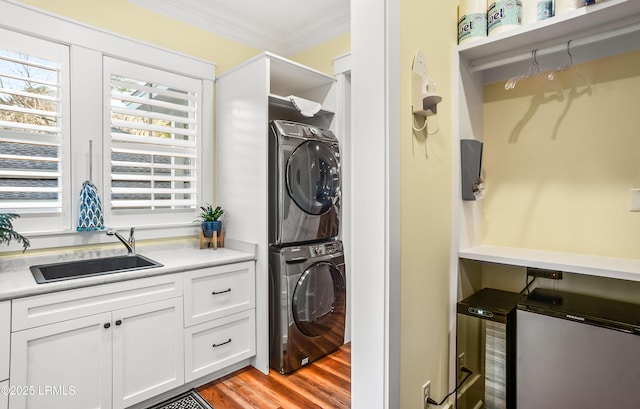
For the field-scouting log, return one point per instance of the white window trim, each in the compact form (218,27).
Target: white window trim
(55,52)
(87,47)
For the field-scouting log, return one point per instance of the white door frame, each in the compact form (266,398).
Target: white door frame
(375,182)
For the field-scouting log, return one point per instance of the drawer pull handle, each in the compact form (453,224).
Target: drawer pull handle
(224,343)
(107,325)
(119,322)
(228,290)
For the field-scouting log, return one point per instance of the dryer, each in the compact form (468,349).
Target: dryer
(304,183)
(307,309)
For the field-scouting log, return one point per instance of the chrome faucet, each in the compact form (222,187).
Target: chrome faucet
(129,244)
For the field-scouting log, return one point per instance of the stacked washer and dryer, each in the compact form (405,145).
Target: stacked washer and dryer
(307,282)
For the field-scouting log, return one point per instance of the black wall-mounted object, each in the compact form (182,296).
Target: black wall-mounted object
(471,162)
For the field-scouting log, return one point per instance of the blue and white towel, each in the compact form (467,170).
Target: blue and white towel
(90,216)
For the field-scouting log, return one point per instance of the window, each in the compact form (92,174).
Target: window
(33,131)
(77,104)
(153,142)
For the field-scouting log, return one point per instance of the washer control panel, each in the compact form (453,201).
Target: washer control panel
(324,249)
(303,252)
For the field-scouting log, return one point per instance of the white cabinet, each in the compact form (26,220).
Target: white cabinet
(5,345)
(94,354)
(74,357)
(4,397)
(148,356)
(112,346)
(219,318)
(5,335)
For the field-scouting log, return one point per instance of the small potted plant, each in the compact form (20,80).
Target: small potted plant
(7,233)
(210,222)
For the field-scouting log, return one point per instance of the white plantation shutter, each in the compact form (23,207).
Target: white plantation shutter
(153,141)
(34,136)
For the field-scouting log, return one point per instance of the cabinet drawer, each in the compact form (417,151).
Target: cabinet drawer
(217,344)
(65,305)
(215,292)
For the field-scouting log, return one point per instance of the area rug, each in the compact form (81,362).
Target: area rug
(188,400)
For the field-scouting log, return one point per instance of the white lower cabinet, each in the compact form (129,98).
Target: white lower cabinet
(112,359)
(148,356)
(114,345)
(5,337)
(108,360)
(219,317)
(63,365)
(219,343)
(4,397)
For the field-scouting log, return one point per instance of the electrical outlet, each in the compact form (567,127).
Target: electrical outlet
(461,363)
(634,200)
(426,393)
(543,273)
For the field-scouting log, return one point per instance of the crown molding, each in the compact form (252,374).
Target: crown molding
(236,28)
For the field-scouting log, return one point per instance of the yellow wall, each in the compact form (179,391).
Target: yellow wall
(558,171)
(321,57)
(430,26)
(122,17)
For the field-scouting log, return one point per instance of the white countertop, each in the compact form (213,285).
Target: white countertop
(16,279)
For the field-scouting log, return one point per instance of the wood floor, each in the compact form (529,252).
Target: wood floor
(324,384)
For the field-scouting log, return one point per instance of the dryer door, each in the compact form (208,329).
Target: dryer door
(319,300)
(313,177)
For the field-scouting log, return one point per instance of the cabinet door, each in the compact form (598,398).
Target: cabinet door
(5,336)
(147,351)
(63,365)
(4,397)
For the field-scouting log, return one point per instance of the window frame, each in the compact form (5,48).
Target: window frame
(36,47)
(87,47)
(125,218)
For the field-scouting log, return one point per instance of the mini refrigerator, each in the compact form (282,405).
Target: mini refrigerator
(485,344)
(577,351)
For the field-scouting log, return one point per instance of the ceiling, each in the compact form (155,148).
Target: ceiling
(284,27)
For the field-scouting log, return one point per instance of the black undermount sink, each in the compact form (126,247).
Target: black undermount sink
(46,273)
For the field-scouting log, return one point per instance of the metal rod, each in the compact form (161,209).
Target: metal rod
(557,48)
(91,160)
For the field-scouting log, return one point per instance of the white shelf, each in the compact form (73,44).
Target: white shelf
(611,267)
(596,31)
(285,103)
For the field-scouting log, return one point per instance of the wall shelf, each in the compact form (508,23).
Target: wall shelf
(610,267)
(596,31)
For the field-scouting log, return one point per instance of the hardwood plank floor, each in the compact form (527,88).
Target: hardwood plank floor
(323,384)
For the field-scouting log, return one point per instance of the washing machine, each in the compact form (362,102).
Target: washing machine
(307,303)
(304,183)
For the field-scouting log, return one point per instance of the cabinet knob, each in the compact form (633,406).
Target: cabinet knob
(228,290)
(118,322)
(222,343)
(107,325)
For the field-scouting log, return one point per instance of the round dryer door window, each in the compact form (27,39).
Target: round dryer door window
(319,299)
(313,177)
